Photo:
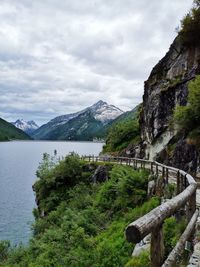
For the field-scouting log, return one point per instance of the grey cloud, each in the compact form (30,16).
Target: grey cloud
(61,56)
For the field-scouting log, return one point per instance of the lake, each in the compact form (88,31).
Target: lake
(18,164)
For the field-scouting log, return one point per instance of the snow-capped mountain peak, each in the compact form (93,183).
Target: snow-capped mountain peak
(104,112)
(101,111)
(26,126)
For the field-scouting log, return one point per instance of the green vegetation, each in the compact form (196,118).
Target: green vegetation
(188,117)
(123,132)
(140,261)
(78,222)
(190,26)
(172,232)
(81,223)
(10,132)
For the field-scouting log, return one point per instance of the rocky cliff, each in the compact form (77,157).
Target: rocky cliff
(166,87)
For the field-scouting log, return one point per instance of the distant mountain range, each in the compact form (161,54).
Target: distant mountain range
(26,126)
(87,124)
(9,132)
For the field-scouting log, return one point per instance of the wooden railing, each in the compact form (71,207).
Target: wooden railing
(152,222)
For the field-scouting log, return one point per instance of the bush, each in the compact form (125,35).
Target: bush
(143,260)
(126,188)
(190,26)
(4,250)
(172,232)
(188,117)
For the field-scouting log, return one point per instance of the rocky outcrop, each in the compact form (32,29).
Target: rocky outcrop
(167,87)
(101,174)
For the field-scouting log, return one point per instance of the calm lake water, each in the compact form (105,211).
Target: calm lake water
(18,164)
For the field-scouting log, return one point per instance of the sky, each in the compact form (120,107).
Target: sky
(58,57)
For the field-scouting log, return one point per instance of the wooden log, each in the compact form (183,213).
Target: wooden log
(178,250)
(137,230)
(157,247)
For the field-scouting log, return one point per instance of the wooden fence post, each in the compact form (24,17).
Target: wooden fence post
(151,167)
(157,247)
(178,183)
(191,206)
(167,176)
(185,181)
(163,172)
(157,170)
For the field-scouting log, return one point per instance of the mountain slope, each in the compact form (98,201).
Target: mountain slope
(10,132)
(123,131)
(84,125)
(26,126)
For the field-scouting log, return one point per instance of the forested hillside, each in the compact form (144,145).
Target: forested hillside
(10,132)
(123,131)
(80,219)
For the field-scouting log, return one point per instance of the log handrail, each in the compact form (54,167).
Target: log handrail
(151,223)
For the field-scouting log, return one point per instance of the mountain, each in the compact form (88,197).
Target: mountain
(26,126)
(87,124)
(122,131)
(126,116)
(10,132)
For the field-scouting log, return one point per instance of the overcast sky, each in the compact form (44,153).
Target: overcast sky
(60,56)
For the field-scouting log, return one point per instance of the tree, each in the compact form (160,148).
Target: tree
(190,26)
(188,117)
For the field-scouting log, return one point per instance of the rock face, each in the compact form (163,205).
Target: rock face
(101,174)
(166,87)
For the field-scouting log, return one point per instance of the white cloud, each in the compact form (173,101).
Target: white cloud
(58,57)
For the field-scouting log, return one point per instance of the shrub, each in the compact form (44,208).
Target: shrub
(188,117)
(143,260)
(190,26)
(4,250)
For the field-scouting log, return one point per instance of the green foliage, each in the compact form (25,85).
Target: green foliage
(188,117)
(190,26)
(126,188)
(123,132)
(143,260)
(4,250)
(10,132)
(172,232)
(80,229)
